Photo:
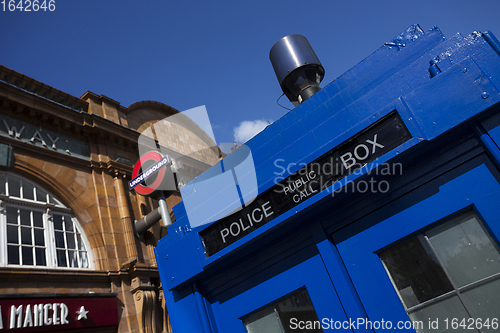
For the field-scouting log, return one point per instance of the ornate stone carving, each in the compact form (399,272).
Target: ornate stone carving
(147,310)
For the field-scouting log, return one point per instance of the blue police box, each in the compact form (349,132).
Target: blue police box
(377,205)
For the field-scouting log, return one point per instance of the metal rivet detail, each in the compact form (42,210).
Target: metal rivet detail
(485,95)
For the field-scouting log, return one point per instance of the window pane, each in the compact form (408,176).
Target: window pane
(25,217)
(13,254)
(84,261)
(70,238)
(14,186)
(60,239)
(266,322)
(12,236)
(41,195)
(27,253)
(26,236)
(68,223)
(277,317)
(466,250)
(40,257)
(57,221)
(484,302)
(415,271)
(299,307)
(449,308)
(73,260)
(61,258)
(28,191)
(39,237)
(12,215)
(38,219)
(79,239)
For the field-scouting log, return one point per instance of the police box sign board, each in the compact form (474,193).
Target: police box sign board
(351,155)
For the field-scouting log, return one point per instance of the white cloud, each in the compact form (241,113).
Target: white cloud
(247,129)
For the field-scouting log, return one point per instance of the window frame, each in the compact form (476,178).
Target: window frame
(51,206)
(457,290)
(4,261)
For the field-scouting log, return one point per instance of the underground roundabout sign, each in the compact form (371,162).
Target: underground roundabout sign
(150,165)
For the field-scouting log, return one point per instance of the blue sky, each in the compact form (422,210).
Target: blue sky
(213,53)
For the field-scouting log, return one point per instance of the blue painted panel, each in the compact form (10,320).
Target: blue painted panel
(311,274)
(488,59)
(181,303)
(451,98)
(182,312)
(359,252)
(338,274)
(336,103)
(179,261)
(308,106)
(306,145)
(293,116)
(268,170)
(388,60)
(327,130)
(284,123)
(268,149)
(492,126)
(256,142)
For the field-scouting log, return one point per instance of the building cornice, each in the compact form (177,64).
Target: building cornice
(38,111)
(102,98)
(46,274)
(37,88)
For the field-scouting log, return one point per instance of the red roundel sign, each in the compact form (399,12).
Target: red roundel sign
(155,164)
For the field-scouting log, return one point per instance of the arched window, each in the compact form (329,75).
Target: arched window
(37,230)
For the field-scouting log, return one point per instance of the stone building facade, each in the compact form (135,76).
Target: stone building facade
(69,259)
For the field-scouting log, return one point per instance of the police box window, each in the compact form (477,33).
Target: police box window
(448,278)
(293,314)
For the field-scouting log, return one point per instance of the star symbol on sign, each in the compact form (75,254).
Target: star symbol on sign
(82,314)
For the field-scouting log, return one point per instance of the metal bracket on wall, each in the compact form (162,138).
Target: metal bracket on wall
(160,213)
